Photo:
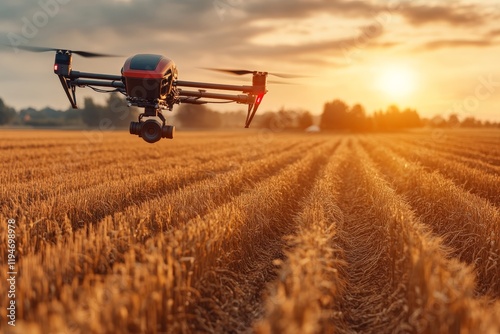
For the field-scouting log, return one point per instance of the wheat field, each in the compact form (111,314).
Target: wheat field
(252,231)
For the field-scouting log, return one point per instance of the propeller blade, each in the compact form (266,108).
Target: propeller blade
(287,76)
(236,72)
(35,48)
(243,72)
(92,54)
(242,81)
(280,82)
(81,53)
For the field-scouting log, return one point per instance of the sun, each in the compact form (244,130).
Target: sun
(396,81)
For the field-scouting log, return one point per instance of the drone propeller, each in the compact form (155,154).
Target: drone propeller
(277,82)
(81,53)
(280,82)
(243,72)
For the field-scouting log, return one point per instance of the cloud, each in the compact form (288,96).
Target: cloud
(336,48)
(189,25)
(299,9)
(487,40)
(494,33)
(456,43)
(453,14)
(415,13)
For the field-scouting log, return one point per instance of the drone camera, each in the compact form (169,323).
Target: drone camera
(151,130)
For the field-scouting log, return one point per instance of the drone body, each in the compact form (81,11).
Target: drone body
(151,82)
(148,76)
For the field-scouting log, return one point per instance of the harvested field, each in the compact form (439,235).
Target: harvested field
(252,232)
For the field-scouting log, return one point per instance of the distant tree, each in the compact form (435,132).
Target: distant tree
(357,120)
(410,119)
(114,114)
(453,121)
(272,120)
(234,119)
(286,119)
(198,116)
(118,111)
(471,122)
(305,120)
(267,120)
(335,115)
(73,117)
(380,121)
(91,112)
(438,122)
(7,114)
(393,118)
(278,121)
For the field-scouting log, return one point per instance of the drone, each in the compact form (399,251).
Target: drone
(150,81)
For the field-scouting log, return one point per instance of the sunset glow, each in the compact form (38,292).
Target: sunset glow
(396,81)
(430,56)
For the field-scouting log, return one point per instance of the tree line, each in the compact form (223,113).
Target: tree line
(337,115)
(113,114)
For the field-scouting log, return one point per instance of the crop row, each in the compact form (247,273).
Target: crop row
(468,224)
(88,261)
(468,178)
(382,233)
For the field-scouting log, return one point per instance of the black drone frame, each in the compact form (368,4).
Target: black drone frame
(70,80)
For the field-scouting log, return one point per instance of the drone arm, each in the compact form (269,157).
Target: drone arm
(253,97)
(98,83)
(245,99)
(76,78)
(206,85)
(101,80)
(77,75)
(192,100)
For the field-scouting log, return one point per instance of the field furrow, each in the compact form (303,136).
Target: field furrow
(304,298)
(238,232)
(467,223)
(395,269)
(66,175)
(461,147)
(294,171)
(470,179)
(453,157)
(160,201)
(245,236)
(131,227)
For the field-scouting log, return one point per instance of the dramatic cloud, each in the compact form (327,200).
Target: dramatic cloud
(494,33)
(299,9)
(487,40)
(315,36)
(451,13)
(189,25)
(454,43)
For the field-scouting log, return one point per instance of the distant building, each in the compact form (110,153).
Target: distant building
(313,128)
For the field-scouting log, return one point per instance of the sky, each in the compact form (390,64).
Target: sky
(439,57)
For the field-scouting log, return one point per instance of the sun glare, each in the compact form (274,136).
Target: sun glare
(396,81)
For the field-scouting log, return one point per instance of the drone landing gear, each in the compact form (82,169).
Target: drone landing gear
(151,130)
